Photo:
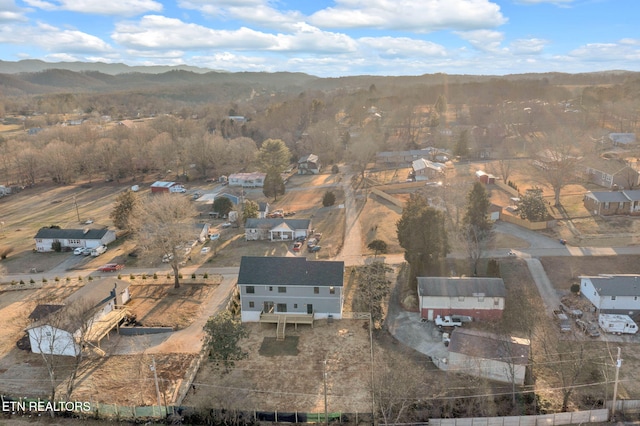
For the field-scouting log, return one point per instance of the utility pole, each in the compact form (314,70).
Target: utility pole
(75,201)
(155,378)
(324,377)
(615,384)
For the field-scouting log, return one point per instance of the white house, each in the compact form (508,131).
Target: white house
(612,294)
(88,238)
(425,169)
(490,356)
(263,209)
(276,229)
(478,297)
(247,180)
(89,313)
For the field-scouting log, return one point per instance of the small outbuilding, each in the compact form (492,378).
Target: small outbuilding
(487,355)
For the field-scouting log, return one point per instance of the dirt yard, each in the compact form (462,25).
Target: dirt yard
(153,303)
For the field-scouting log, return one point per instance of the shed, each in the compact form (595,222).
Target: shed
(161,187)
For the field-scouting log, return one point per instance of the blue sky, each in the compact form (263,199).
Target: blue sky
(330,38)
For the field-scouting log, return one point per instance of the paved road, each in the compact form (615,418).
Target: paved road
(351,252)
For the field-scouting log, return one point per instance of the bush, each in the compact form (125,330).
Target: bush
(335,169)
(575,288)
(32,281)
(56,279)
(79,277)
(168,275)
(132,277)
(68,279)
(90,278)
(44,280)
(155,276)
(205,275)
(180,276)
(21,281)
(328,199)
(193,276)
(144,276)
(119,276)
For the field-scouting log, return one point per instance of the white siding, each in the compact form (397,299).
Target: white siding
(50,340)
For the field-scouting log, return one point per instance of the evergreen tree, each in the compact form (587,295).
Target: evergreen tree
(273,184)
(125,204)
(477,213)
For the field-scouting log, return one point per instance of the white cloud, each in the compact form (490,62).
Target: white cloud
(604,52)
(410,15)
(557,2)
(532,46)
(54,39)
(9,12)
(484,40)
(159,32)
(402,47)
(249,11)
(100,7)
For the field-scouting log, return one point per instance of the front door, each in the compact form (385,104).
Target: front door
(309,308)
(267,307)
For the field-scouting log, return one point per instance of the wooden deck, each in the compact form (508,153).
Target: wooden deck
(283,319)
(100,329)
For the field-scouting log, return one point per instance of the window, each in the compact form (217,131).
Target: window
(613,298)
(281,307)
(316,290)
(282,289)
(496,302)
(48,333)
(270,288)
(295,306)
(332,290)
(481,299)
(250,289)
(460,298)
(252,305)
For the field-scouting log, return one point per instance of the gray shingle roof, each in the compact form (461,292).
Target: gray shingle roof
(490,346)
(73,234)
(615,196)
(254,223)
(616,285)
(458,286)
(285,271)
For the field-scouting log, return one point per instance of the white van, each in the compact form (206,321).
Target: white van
(135,188)
(98,250)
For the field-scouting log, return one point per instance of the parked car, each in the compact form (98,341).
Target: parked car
(226,225)
(167,258)
(447,321)
(214,237)
(588,328)
(98,250)
(86,252)
(314,249)
(312,242)
(297,246)
(110,267)
(300,239)
(205,250)
(78,250)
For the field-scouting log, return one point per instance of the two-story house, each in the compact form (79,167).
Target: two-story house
(478,297)
(290,285)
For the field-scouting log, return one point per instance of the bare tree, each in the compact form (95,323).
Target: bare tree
(61,334)
(558,162)
(163,226)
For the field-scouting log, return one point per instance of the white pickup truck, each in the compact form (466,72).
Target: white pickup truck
(447,321)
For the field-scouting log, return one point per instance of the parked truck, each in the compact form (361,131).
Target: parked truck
(563,321)
(617,324)
(447,321)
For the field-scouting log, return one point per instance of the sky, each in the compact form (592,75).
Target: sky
(330,38)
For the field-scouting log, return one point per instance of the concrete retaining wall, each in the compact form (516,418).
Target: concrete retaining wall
(137,331)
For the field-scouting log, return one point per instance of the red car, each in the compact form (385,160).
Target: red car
(297,246)
(110,267)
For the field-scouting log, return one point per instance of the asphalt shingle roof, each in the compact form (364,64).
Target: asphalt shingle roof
(271,223)
(616,285)
(458,286)
(283,271)
(71,234)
